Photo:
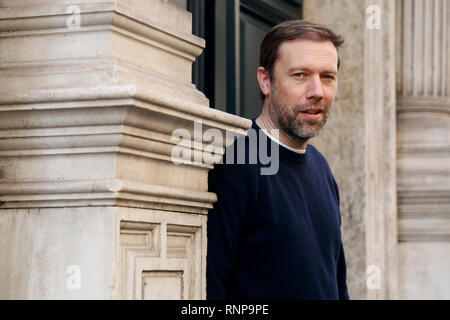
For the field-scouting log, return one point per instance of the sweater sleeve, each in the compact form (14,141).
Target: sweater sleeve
(342,275)
(226,222)
(341,265)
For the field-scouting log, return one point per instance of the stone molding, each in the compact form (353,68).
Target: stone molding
(154,245)
(108,121)
(155,251)
(423,104)
(424,213)
(114,30)
(104,193)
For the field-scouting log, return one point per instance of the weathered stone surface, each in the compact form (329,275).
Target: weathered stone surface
(57,253)
(424,270)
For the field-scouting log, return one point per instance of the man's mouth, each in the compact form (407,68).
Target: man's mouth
(313,113)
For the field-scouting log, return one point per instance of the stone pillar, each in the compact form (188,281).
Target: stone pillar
(359,140)
(91,203)
(423,105)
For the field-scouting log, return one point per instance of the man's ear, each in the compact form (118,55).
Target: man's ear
(264,80)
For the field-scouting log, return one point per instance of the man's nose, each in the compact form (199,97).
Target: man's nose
(314,90)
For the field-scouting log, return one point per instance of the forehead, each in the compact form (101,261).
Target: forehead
(302,53)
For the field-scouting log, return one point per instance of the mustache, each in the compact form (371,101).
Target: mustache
(310,105)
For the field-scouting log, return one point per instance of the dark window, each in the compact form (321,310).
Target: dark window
(233,30)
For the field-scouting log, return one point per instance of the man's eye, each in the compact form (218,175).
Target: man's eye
(299,74)
(328,77)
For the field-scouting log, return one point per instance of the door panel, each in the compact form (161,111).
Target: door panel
(252,32)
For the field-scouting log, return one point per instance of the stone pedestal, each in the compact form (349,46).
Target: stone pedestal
(92,202)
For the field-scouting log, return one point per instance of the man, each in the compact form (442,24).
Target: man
(278,236)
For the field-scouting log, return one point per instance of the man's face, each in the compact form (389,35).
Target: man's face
(303,86)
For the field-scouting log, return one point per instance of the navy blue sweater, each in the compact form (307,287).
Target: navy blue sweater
(275,236)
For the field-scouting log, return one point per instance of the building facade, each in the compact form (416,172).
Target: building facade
(92,203)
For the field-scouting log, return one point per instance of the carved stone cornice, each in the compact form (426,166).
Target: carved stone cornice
(104,193)
(81,107)
(423,104)
(114,40)
(424,213)
(100,132)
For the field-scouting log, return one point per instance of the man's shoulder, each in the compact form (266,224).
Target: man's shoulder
(316,154)
(320,160)
(234,173)
(239,157)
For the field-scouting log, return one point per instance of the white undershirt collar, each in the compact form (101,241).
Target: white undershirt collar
(282,144)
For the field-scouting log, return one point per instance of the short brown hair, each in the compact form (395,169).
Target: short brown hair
(291,30)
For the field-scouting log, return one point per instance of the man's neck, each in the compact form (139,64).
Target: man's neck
(265,122)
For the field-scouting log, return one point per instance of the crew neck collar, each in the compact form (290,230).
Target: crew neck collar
(283,149)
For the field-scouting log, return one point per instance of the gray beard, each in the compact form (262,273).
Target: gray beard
(287,121)
(298,130)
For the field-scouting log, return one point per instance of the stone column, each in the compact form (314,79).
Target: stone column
(359,140)
(423,105)
(91,203)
